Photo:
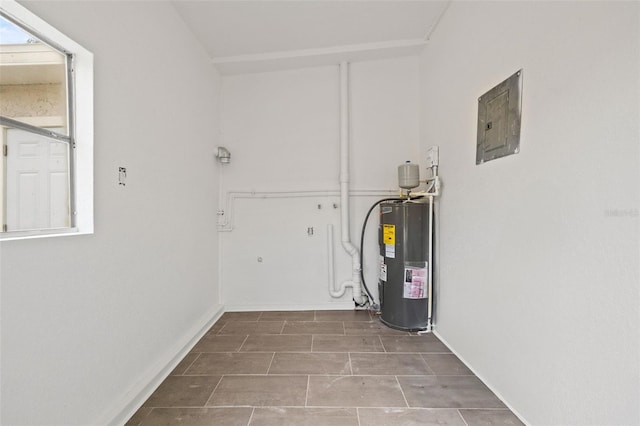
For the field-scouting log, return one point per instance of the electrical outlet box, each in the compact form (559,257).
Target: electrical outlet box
(122,176)
(499,115)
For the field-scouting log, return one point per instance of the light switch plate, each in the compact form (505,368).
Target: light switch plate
(499,118)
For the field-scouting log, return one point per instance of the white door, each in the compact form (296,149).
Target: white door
(37,182)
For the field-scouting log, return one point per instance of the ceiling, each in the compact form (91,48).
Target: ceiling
(245,36)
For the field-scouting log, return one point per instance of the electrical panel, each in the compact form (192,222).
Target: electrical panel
(499,115)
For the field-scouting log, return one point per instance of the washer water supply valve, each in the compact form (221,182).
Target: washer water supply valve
(223,155)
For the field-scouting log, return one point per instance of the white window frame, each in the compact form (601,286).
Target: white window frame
(81,118)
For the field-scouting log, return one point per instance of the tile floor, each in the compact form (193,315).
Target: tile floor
(312,368)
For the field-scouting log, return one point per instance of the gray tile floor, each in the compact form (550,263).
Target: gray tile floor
(312,368)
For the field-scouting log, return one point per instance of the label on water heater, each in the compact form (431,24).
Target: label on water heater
(389,234)
(383,272)
(390,251)
(415,283)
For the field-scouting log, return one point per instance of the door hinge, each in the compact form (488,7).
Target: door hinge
(4,228)
(5,150)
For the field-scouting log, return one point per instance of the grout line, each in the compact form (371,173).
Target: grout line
(141,421)
(221,328)
(485,408)
(334,351)
(284,323)
(345,376)
(427,364)
(274,355)
(358,415)
(222,325)
(243,342)
(219,324)
(251,416)
(332,375)
(351,407)
(350,365)
(462,417)
(260,315)
(306,396)
(214,391)
(274,350)
(344,329)
(312,339)
(191,365)
(402,391)
(382,343)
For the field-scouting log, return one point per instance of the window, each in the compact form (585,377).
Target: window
(46,129)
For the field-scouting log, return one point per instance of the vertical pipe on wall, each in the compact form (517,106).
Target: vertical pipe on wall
(430,268)
(348,246)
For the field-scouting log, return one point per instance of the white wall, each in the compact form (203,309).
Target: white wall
(282,129)
(87,322)
(539,251)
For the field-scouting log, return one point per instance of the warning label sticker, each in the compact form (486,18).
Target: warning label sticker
(390,251)
(389,234)
(415,283)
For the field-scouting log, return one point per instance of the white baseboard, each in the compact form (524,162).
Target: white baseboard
(487,384)
(339,306)
(123,408)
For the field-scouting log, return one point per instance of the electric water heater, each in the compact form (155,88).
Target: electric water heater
(404,269)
